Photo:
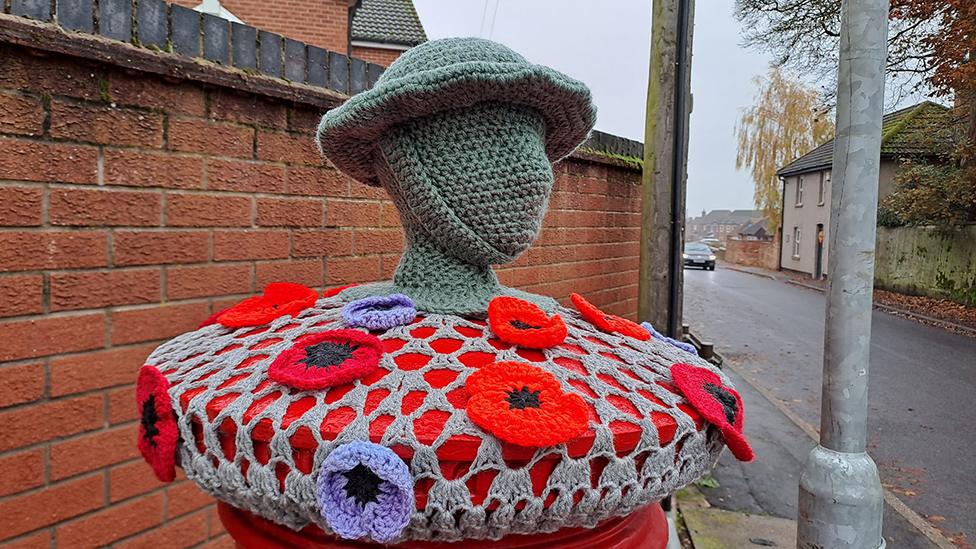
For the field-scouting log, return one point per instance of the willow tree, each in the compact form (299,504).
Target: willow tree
(786,120)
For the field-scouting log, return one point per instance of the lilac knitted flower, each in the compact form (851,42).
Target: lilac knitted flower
(688,347)
(380,312)
(364,489)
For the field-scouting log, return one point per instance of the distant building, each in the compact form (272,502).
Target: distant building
(754,246)
(719,224)
(757,230)
(377,31)
(909,132)
(383,29)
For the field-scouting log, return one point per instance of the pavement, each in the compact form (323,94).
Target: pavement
(709,527)
(920,434)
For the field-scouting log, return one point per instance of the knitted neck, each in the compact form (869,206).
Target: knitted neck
(426,269)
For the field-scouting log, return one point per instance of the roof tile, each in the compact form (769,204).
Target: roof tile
(910,131)
(389,22)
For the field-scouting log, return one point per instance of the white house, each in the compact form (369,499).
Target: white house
(806,184)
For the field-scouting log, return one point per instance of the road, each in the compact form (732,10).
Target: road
(921,408)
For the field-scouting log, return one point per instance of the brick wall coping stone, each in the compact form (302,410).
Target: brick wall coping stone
(170,40)
(50,38)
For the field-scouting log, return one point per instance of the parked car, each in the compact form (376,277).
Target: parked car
(699,255)
(711,242)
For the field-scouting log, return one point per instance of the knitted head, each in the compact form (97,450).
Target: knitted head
(462,132)
(475,181)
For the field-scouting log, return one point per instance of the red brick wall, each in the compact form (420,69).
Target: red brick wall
(322,23)
(753,253)
(131,207)
(380,56)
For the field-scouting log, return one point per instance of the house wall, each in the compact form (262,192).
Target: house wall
(811,213)
(322,23)
(133,205)
(722,231)
(805,217)
(886,180)
(380,56)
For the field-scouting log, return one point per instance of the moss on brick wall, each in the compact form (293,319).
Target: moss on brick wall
(925,261)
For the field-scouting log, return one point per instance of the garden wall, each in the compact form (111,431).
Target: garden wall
(140,190)
(924,261)
(753,253)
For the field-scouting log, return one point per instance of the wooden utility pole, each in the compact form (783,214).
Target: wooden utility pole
(665,165)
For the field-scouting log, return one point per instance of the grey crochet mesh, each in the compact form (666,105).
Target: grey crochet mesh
(257,445)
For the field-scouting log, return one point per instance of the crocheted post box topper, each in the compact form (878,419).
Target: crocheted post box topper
(414,409)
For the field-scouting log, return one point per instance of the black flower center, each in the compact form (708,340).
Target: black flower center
(149,420)
(522,399)
(328,354)
(518,324)
(362,484)
(729,406)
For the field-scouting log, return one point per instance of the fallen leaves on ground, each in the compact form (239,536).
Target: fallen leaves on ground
(942,309)
(960,540)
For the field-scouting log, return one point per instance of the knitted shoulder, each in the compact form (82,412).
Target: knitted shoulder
(475,306)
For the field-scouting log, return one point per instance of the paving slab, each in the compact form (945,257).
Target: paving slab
(713,528)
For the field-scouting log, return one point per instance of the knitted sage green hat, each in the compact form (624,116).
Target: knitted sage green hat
(451,74)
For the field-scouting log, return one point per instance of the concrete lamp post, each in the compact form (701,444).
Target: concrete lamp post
(841,499)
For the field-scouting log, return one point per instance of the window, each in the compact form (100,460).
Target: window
(822,190)
(799,192)
(796,243)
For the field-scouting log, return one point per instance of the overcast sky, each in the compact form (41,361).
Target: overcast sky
(608,49)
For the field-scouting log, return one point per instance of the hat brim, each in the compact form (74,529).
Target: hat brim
(348,135)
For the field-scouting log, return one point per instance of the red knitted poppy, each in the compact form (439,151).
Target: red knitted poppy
(279,299)
(717,403)
(607,322)
(158,434)
(524,324)
(524,405)
(327,359)
(332,292)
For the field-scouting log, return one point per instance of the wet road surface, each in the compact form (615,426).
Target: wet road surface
(921,410)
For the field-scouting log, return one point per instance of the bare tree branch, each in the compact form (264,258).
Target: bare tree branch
(803,35)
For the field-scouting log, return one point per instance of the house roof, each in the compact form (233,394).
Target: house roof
(729,217)
(388,22)
(756,228)
(913,130)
